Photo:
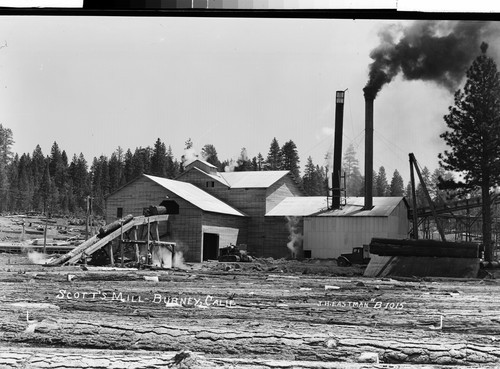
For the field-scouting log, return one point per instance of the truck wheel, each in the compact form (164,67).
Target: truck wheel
(343,261)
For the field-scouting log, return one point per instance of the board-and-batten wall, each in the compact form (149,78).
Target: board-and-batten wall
(185,228)
(267,236)
(134,197)
(329,236)
(275,229)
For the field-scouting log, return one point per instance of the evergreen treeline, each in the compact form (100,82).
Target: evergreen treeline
(57,184)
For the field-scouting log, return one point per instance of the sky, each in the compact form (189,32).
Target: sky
(92,84)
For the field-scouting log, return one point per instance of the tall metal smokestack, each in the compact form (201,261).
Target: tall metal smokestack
(369,97)
(337,153)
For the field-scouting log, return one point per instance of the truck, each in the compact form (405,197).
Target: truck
(359,255)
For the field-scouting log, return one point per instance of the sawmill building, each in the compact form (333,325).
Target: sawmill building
(215,209)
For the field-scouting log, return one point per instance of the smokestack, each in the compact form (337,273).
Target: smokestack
(369,97)
(337,153)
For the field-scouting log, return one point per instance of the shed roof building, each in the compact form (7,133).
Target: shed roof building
(330,233)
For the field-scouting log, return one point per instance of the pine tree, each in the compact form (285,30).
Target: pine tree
(353,177)
(421,198)
(322,181)
(159,159)
(397,185)
(115,172)
(382,185)
(274,157)
(13,195)
(438,176)
(308,178)
(128,166)
(141,161)
(6,156)
(56,165)
(45,187)
(375,188)
(81,182)
(408,194)
(474,136)
(260,162)
(209,154)
(172,164)
(290,159)
(100,183)
(37,172)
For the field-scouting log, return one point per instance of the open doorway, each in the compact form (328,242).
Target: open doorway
(210,246)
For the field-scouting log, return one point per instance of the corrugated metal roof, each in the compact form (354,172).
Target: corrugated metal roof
(196,196)
(382,207)
(299,206)
(258,179)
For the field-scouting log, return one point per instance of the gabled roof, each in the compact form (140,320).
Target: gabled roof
(202,161)
(195,196)
(382,207)
(299,206)
(253,179)
(216,176)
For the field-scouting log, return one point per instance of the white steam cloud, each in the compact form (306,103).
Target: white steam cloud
(295,236)
(37,257)
(178,261)
(231,166)
(189,156)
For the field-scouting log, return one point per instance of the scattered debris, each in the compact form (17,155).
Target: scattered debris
(151,278)
(332,287)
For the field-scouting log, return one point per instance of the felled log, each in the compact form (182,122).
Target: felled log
(154,210)
(108,228)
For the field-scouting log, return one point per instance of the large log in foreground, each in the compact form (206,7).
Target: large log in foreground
(427,248)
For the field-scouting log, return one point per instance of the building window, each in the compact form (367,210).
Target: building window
(119,212)
(210,183)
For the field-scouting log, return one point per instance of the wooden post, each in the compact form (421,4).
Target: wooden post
(45,234)
(148,258)
(87,216)
(157,231)
(137,253)
(111,254)
(121,245)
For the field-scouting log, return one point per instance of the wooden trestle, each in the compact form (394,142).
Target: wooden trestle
(142,232)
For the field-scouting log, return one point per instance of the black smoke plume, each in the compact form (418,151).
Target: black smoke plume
(437,51)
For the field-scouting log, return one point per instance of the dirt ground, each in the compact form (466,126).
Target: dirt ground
(265,314)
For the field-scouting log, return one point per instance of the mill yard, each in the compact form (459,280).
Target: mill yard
(271,313)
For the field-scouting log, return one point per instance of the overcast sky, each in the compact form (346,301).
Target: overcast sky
(95,83)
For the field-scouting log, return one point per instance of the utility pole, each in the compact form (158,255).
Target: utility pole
(88,217)
(45,233)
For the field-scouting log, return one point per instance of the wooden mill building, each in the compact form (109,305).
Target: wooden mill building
(215,209)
